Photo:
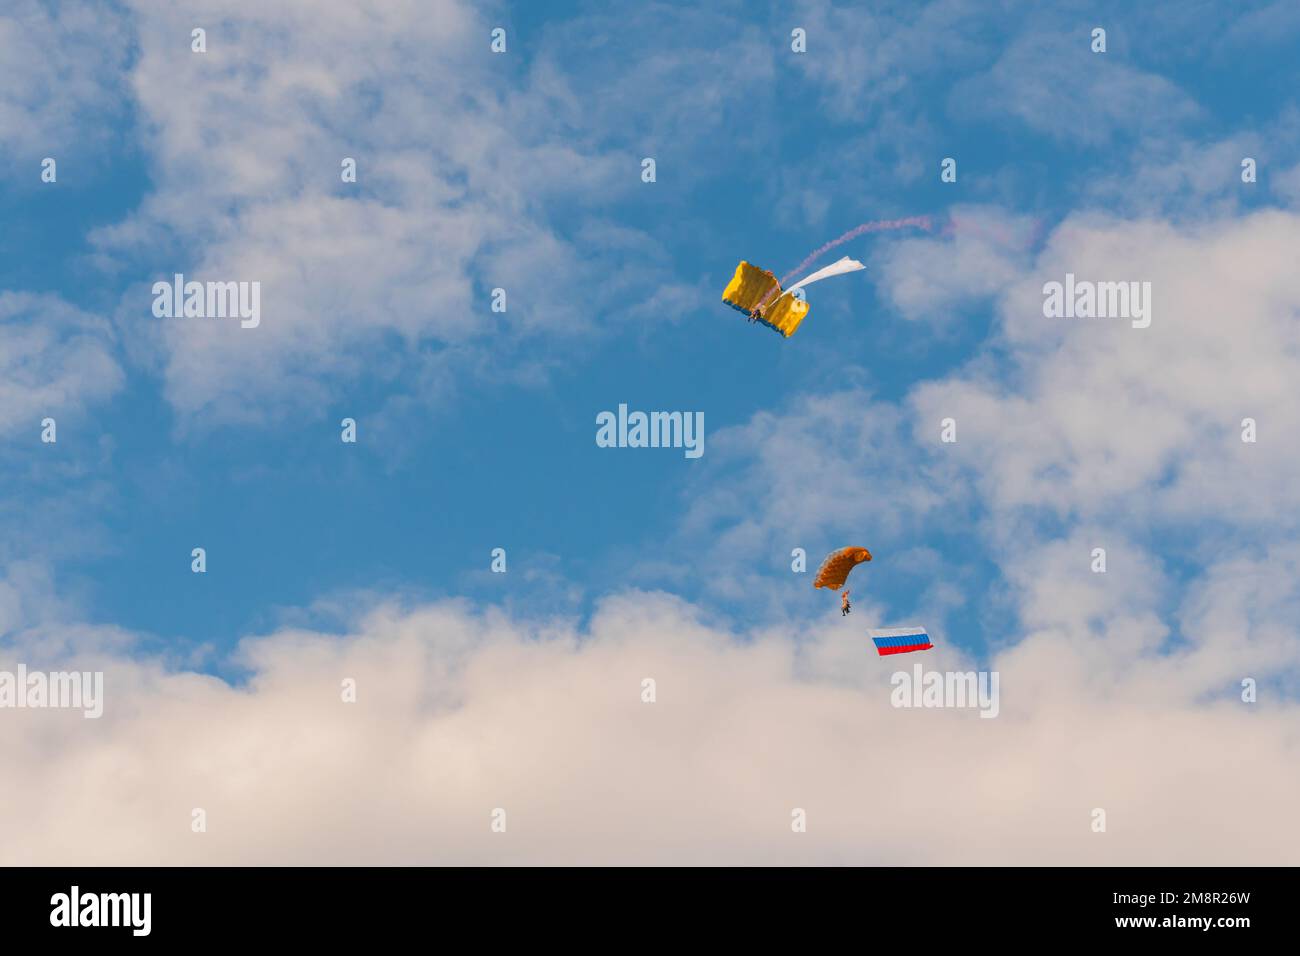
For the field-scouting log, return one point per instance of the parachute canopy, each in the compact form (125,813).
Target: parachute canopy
(758,294)
(900,640)
(835,569)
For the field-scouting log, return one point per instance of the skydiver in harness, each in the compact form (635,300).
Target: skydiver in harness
(756,314)
(845,606)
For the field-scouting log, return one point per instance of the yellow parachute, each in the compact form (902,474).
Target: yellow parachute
(835,569)
(758,294)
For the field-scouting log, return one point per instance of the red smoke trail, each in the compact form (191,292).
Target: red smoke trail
(879,225)
(1017,237)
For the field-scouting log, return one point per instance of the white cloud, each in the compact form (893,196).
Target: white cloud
(54,360)
(928,278)
(475,171)
(1095,417)
(61,67)
(866,61)
(1053,83)
(460,712)
(1191,180)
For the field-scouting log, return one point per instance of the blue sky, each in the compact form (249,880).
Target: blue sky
(522,171)
(287,513)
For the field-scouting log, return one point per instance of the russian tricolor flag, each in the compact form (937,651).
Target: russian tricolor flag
(900,640)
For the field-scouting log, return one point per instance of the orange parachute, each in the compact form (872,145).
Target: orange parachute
(835,569)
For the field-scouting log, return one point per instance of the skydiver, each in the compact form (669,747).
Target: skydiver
(845,606)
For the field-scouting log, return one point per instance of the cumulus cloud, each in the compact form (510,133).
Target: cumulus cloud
(929,277)
(1195,179)
(474,172)
(54,359)
(461,711)
(247,142)
(866,60)
(61,71)
(1092,416)
(1051,81)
